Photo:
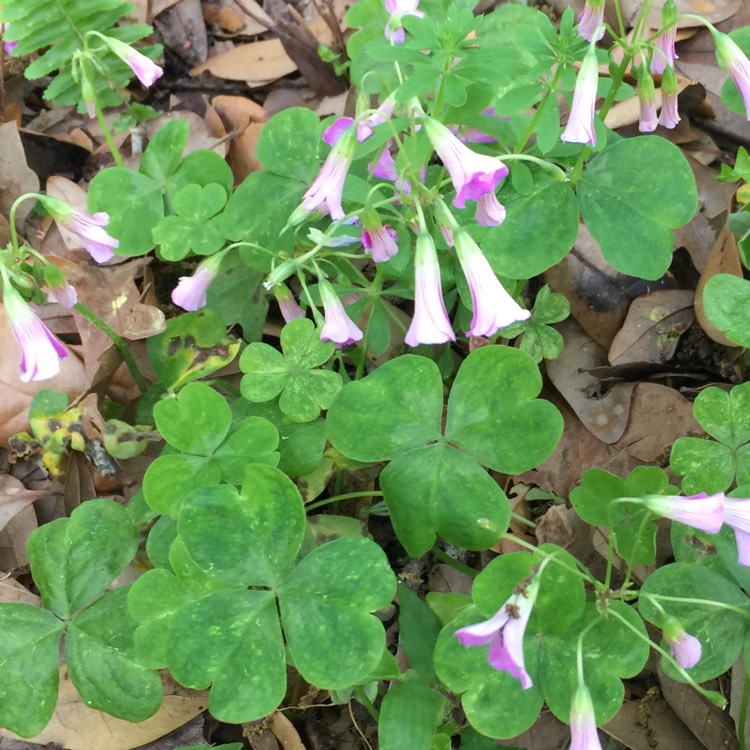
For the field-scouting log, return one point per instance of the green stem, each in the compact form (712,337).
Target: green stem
(743,713)
(656,598)
(374,292)
(711,695)
(345,496)
(117,340)
(448,560)
(552,169)
(537,115)
(617,79)
(359,691)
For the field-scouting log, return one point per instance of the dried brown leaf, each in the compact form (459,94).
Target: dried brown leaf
(14,497)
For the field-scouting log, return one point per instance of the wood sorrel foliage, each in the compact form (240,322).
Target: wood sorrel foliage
(456,139)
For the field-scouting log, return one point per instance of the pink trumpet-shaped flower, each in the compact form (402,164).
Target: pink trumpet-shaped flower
(430,324)
(380,242)
(490,212)
(332,134)
(290,310)
(504,632)
(8,46)
(700,511)
(665,55)
(493,307)
(686,648)
(63,294)
(583,733)
(385,167)
(89,228)
(190,292)
(737,515)
(40,351)
(366,125)
(397,10)
(735,62)
(647,97)
(337,326)
(146,70)
(325,194)
(591,21)
(669,116)
(580,127)
(473,174)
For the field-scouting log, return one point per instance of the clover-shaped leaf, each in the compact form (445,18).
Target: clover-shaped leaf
(229,640)
(250,537)
(198,422)
(304,389)
(612,650)
(73,560)
(541,341)
(326,606)
(655,194)
(100,642)
(195,226)
(493,419)
(135,201)
(594,501)
(720,630)
(495,703)
(29,667)
(708,466)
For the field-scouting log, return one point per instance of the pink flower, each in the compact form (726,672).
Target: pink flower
(325,194)
(146,70)
(493,307)
(647,98)
(735,62)
(664,55)
(583,734)
(40,351)
(490,212)
(332,134)
(398,9)
(669,116)
(380,242)
(385,167)
(737,515)
(190,292)
(430,324)
(88,228)
(591,26)
(8,46)
(367,124)
(686,648)
(290,310)
(337,326)
(473,174)
(580,127)
(63,294)
(504,632)
(700,511)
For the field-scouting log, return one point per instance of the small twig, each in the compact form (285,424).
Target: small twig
(356,726)
(272,26)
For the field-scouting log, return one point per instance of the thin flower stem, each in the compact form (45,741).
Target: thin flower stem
(547,166)
(377,285)
(716,698)
(12,216)
(359,691)
(537,115)
(582,573)
(443,556)
(521,519)
(655,598)
(617,79)
(620,24)
(579,649)
(345,496)
(743,713)
(117,340)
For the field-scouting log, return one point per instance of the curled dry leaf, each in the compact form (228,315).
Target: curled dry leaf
(640,724)
(12,591)
(14,497)
(603,409)
(724,258)
(653,327)
(16,178)
(75,726)
(244,119)
(710,724)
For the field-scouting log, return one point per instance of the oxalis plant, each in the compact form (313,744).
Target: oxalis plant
(452,184)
